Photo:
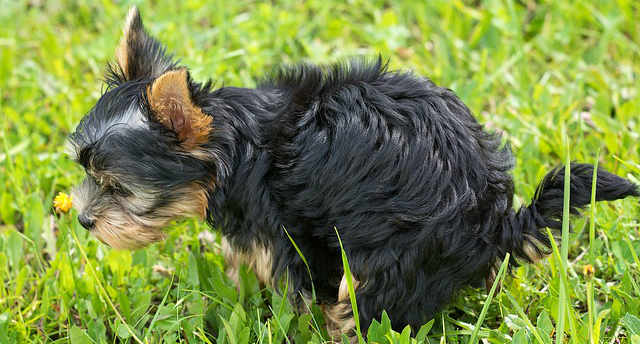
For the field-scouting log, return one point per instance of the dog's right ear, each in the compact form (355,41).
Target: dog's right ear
(138,54)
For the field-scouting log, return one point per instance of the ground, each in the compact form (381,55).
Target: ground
(560,79)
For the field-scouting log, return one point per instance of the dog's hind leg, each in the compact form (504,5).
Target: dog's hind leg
(410,285)
(339,316)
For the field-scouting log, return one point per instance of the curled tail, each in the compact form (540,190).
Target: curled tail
(522,233)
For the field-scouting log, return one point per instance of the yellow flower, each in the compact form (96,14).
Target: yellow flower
(588,270)
(62,202)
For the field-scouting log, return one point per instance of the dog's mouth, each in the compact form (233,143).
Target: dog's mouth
(127,236)
(128,222)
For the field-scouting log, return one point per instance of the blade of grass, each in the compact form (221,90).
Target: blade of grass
(230,334)
(592,256)
(592,339)
(634,284)
(628,164)
(352,294)
(592,213)
(313,289)
(284,333)
(485,308)
(101,288)
(200,334)
(524,316)
(443,338)
(304,260)
(634,254)
(564,251)
(315,325)
(155,316)
(212,298)
(276,316)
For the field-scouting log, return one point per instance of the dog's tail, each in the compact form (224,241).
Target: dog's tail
(523,233)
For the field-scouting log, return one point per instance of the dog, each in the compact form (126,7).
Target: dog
(398,168)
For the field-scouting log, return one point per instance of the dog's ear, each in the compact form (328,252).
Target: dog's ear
(138,54)
(171,105)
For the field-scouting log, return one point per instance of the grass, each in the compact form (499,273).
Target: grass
(551,75)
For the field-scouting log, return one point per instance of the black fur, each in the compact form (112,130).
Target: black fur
(420,194)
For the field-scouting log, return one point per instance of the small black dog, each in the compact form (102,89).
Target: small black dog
(420,194)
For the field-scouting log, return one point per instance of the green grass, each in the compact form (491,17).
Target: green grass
(551,75)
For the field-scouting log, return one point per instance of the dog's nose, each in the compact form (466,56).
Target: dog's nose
(86,222)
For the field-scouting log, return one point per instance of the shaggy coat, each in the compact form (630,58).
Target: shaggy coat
(419,193)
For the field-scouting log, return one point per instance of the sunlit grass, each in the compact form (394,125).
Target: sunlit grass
(550,75)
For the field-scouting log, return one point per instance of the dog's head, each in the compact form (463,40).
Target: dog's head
(142,146)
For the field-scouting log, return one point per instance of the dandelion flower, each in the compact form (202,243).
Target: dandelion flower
(588,270)
(62,202)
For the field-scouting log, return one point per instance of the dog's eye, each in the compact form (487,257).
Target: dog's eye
(118,190)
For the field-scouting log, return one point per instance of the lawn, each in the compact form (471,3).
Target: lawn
(561,79)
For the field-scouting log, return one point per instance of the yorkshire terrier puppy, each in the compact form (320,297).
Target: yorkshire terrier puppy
(418,191)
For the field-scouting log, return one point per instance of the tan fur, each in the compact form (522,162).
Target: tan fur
(488,282)
(259,259)
(121,229)
(529,248)
(121,232)
(171,103)
(339,320)
(338,316)
(343,290)
(193,203)
(122,51)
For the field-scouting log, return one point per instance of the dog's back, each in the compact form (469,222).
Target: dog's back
(420,195)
